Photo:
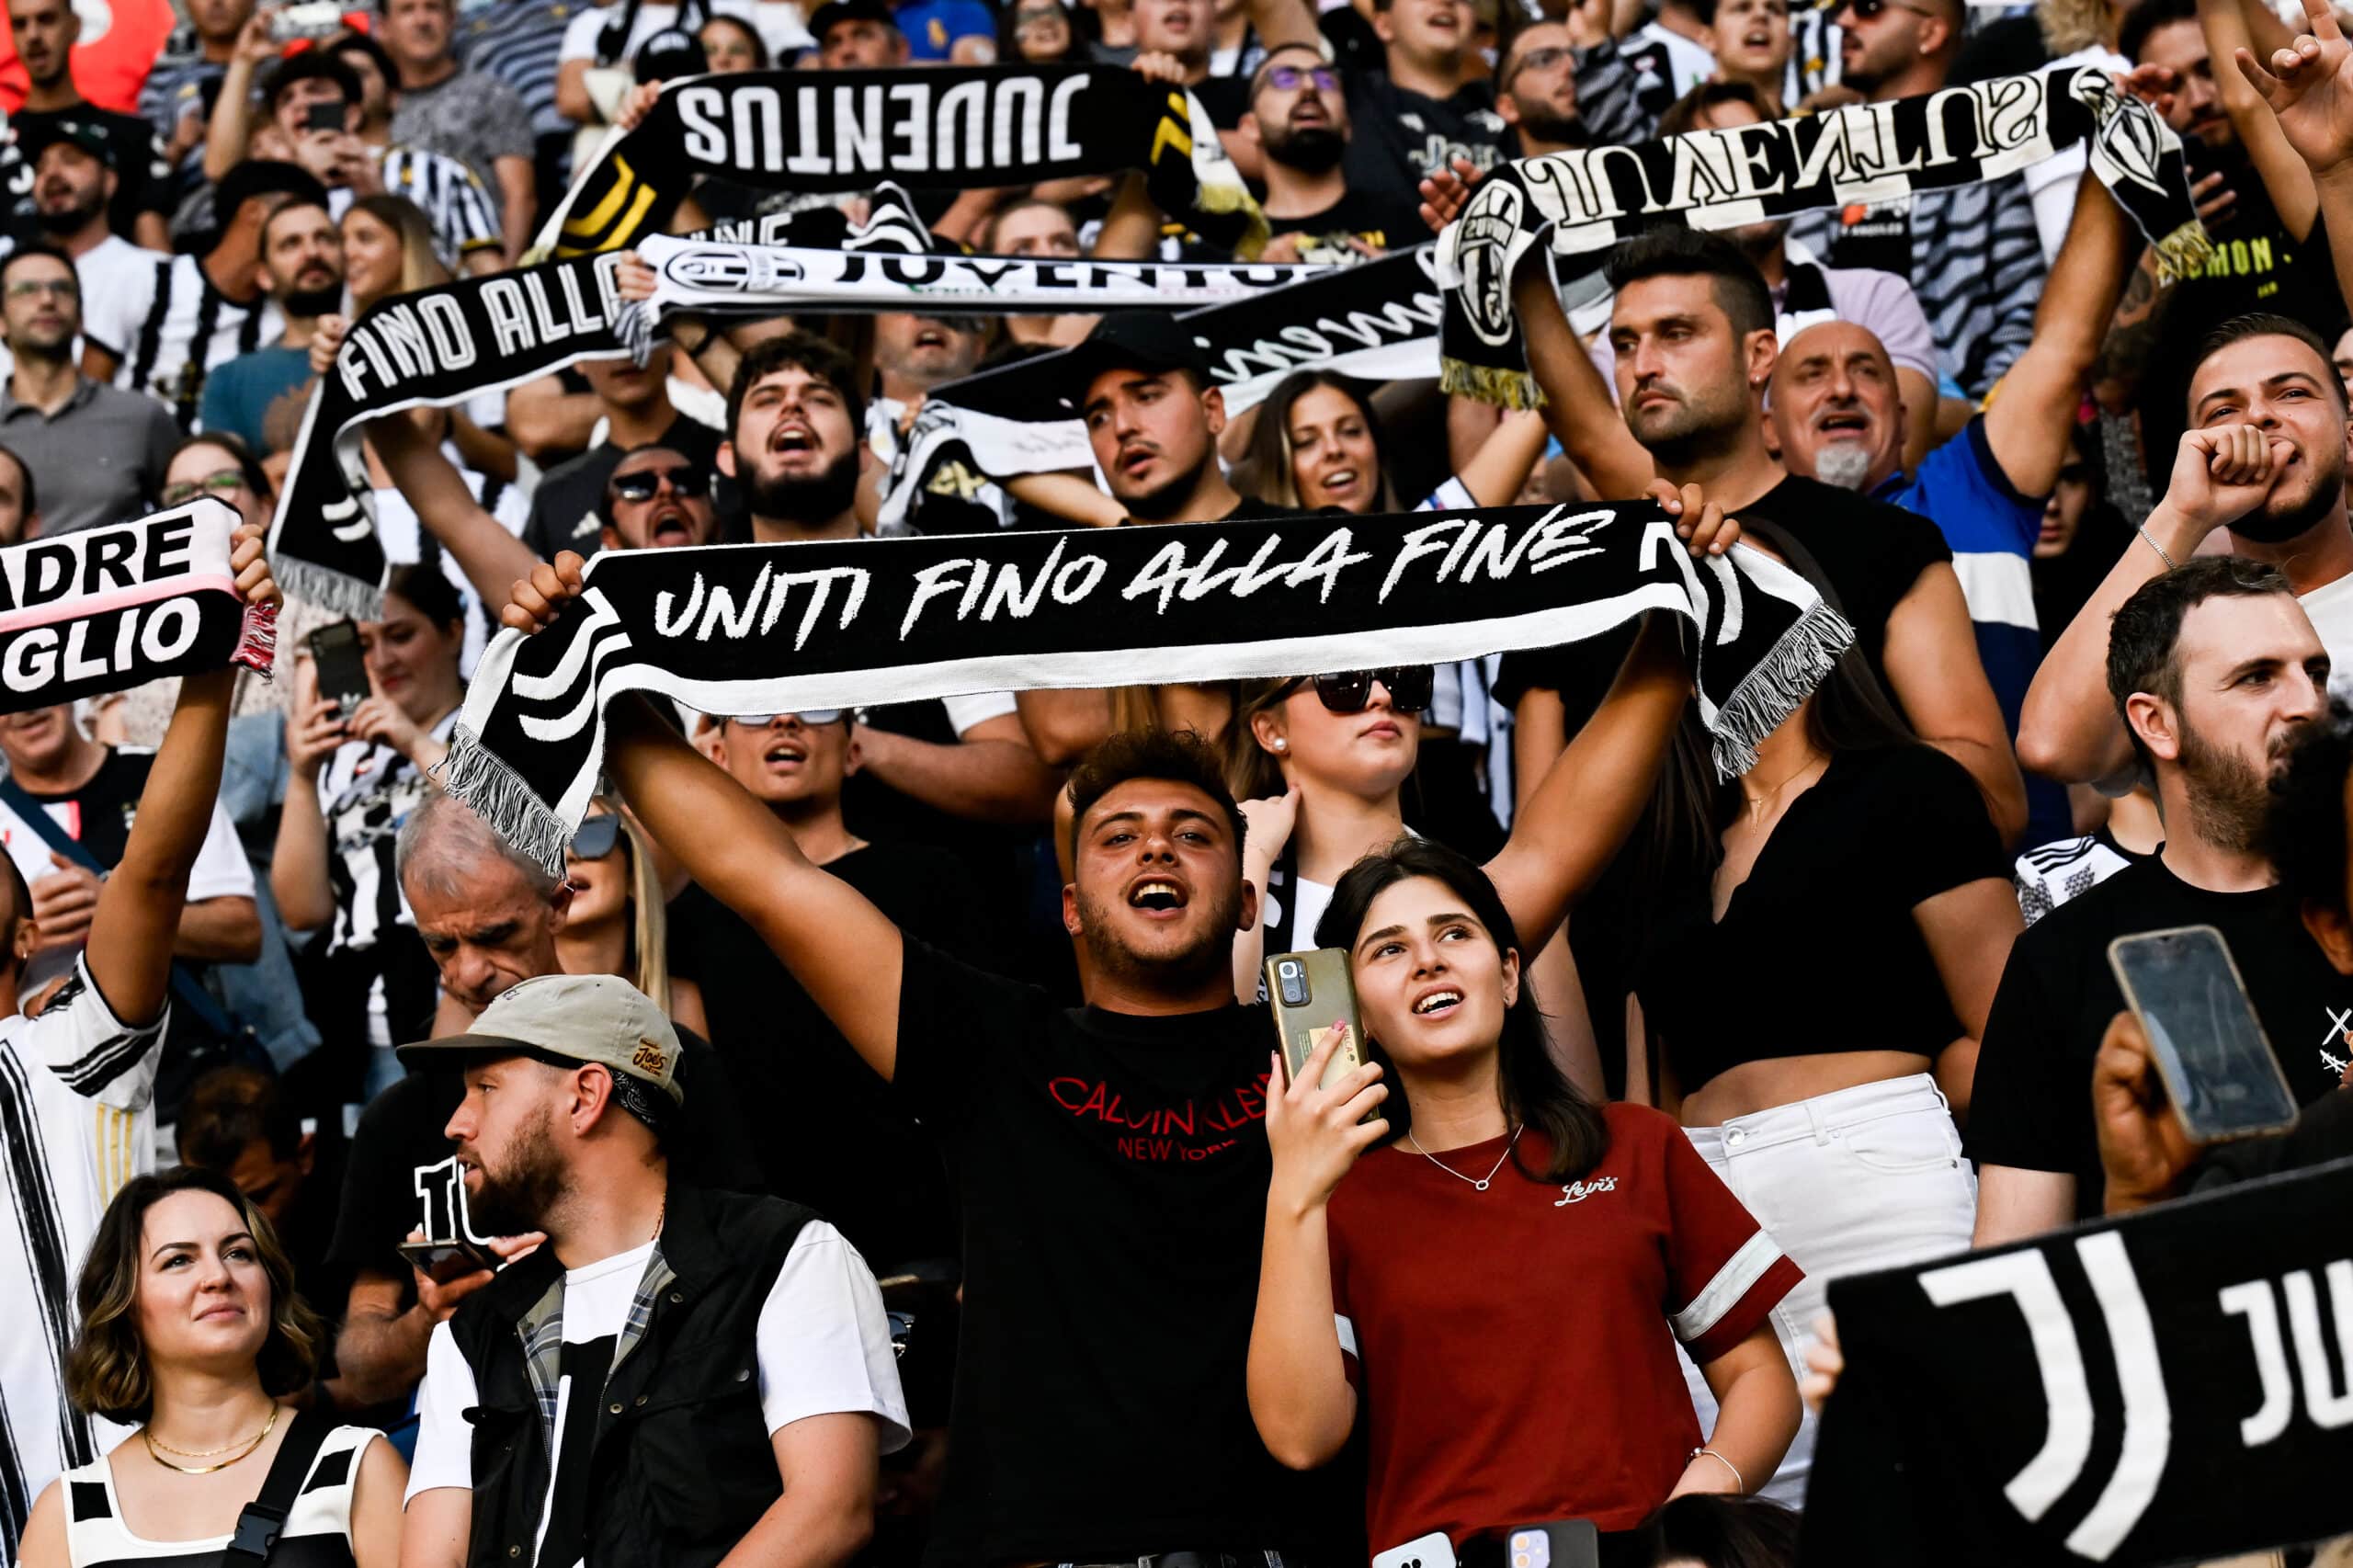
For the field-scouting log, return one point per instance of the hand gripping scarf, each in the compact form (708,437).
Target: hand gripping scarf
(107,609)
(778,627)
(1589,200)
(941,127)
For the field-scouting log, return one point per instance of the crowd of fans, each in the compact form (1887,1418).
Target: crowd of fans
(869,1149)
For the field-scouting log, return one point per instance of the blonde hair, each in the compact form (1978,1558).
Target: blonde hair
(421,265)
(105,1370)
(649,930)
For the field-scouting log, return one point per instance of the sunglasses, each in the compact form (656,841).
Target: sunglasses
(1288,78)
(224,484)
(595,836)
(1350,691)
(813,718)
(688,481)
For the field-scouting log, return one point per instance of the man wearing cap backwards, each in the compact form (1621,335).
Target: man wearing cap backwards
(678,1374)
(139,209)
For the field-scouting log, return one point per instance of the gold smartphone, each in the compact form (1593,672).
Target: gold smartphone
(1310,991)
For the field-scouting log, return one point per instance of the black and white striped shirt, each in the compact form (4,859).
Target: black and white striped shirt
(464,217)
(77,1088)
(169,326)
(317,1532)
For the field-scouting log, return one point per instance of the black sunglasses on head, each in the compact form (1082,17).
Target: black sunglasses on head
(594,838)
(686,481)
(1350,691)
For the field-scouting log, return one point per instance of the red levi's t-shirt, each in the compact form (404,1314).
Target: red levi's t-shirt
(1515,1347)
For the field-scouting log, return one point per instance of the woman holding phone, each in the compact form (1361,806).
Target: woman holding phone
(1490,1278)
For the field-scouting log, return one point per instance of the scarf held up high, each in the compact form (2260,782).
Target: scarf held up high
(941,127)
(1589,200)
(752,629)
(104,609)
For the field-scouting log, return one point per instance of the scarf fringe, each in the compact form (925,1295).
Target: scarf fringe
(1490,383)
(332,591)
(1775,688)
(479,779)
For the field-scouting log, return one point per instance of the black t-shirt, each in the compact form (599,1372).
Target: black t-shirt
(403,1172)
(1398,136)
(852,1153)
(105,806)
(1817,951)
(2031,1105)
(1381,219)
(567,510)
(1113,1170)
(143,176)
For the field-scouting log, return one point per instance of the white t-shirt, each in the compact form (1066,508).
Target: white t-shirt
(2330,606)
(2051,184)
(824,1347)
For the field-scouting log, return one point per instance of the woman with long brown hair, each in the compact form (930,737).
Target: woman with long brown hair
(192,1336)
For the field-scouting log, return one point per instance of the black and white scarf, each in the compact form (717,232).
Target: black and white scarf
(107,609)
(942,128)
(1587,201)
(751,629)
(1378,322)
(436,347)
(2167,1387)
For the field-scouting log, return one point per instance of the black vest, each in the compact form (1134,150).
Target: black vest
(681,1466)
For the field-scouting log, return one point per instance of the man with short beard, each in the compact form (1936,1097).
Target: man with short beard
(73,185)
(301,268)
(1112,1159)
(45,33)
(1299,118)
(2216,670)
(743,1338)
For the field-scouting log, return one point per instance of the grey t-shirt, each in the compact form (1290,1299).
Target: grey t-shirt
(98,460)
(470,116)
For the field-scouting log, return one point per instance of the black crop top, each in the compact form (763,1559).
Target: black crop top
(1817,951)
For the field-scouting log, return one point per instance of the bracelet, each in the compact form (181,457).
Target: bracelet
(1737,1479)
(2143,530)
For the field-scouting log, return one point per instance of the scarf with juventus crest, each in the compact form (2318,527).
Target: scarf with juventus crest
(783,628)
(1581,203)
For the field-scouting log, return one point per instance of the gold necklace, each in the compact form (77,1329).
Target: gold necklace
(156,1451)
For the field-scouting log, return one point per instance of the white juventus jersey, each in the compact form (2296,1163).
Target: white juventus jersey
(457,208)
(170,326)
(77,1121)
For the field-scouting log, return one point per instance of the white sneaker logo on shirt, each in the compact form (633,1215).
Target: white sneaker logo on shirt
(1578,1191)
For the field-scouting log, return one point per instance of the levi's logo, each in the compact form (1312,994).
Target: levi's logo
(1578,1191)
(649,1057)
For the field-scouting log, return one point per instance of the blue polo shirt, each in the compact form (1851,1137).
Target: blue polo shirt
(1991,530)
(933,26)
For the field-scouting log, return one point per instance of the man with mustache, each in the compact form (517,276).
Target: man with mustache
(1299,118)
(71,163)
(45,33)
(2217,670)
(301,268)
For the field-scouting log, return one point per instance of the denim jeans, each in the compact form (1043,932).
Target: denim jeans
(1854,1180)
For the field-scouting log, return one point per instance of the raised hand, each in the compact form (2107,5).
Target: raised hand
(63,902)
(1446,192)
(326,337)
(539,598)
(1317,1134)
(633,280)
(1699,523)
(2221,474)
(638,105)
(2310,87)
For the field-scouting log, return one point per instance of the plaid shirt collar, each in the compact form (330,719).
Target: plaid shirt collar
(541,1331)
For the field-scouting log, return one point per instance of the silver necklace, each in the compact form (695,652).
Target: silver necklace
(1479,1182)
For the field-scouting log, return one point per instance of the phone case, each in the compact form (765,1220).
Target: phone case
(1317,992)
(2182,1095)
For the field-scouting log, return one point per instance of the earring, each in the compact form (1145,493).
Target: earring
(1282,746)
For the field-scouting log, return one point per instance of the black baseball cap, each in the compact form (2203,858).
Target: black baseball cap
(669,54)
(1151,341)
(264,176)
(34,138)
(833,11)
(311,64)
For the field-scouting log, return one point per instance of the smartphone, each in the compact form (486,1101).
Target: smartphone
(444,1261)
(1564,1543)
(2210,1047)
(342,669)
(328,115)
(1310,991)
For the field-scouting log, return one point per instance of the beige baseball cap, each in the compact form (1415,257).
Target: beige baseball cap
(575,1017)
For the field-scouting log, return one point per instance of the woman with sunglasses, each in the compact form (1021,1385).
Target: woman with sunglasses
(1496,1269)
(357,765)
(618,921)
(1038,32)
(192,1334)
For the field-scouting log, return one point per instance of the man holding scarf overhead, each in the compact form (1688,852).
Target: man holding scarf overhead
(1113,1158)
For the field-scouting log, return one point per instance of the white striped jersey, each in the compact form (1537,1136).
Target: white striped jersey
(464,217)
(77,1121)
(2050,874)
(317,1532)
(169,326)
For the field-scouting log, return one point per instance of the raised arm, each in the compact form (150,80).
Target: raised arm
(2029,425)
(1936,677)
(844,953)
(1566,830)
(138,917)
(989,773)
(1498,470)
(1577,406)
(2308,90)
(2230,27)
(491,558)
